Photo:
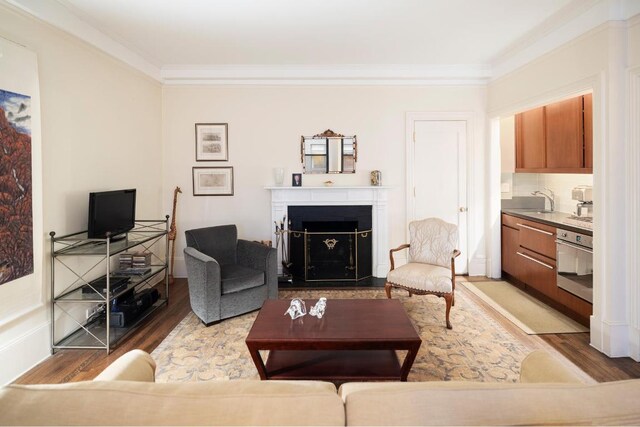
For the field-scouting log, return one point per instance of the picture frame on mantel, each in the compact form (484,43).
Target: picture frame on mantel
(212,144)
(213,181)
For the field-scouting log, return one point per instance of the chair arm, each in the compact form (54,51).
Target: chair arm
(260,257)
(204,279)
(454,255)
(135,365)
(399,248)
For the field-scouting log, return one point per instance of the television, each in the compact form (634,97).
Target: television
(112,212)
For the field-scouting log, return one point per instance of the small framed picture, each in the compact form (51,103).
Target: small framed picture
(213,181)
(211,142)
(296,179)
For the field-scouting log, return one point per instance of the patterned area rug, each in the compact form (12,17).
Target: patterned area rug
(477,348)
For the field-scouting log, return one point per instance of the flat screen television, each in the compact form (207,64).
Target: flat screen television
(112,212)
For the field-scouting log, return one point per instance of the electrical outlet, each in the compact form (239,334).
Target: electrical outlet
(92,311)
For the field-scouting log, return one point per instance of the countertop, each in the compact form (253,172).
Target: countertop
(554,219)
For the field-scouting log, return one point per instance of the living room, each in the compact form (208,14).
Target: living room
(111,120)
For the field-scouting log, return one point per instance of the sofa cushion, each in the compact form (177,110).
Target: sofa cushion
(465,403)
(235,402)
(236,278)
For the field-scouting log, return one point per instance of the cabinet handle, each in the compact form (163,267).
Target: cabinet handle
(534,229)
(535,260)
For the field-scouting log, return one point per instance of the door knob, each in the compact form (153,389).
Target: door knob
(462,209)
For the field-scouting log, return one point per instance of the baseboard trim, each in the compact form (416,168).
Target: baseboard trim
(478,266)
(25,352)
(610,338)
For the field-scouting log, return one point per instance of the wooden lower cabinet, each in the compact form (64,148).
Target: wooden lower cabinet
(510,246)
(529,260)
(538,272)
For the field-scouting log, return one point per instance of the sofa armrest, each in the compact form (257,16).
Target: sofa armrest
(263,258)
(541,367)
(135,365)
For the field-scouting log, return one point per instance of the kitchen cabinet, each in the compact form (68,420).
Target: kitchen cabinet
(563,133)
(588,131)
(529,261)
(556,138)
(538,272)
(530,143)
(537,237)
(510,246)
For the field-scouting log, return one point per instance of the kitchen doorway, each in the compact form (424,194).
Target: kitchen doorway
(437,175)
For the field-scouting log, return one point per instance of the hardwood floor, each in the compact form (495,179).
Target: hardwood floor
(81,365)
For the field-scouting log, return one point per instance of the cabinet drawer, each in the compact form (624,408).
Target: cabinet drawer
(539,272)
(510,221)
(538,237)
(510,247)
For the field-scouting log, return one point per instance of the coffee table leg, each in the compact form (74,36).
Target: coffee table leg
(257,360)
(408,361)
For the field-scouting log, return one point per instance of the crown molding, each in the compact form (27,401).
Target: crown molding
(326,74)
(576,19)
(58,16)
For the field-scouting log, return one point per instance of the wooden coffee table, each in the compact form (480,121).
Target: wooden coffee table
(356,340)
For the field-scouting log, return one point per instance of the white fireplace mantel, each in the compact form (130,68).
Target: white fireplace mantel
(374,196)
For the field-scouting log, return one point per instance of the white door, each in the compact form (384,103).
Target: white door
(439,176)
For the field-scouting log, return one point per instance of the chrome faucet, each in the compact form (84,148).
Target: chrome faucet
(550,196)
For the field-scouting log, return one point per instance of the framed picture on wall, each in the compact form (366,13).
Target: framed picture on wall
(213,181)
(211,142)
(296,179)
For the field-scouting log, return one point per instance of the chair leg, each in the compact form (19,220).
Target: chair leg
(449,300)
(453,299)
(387,289)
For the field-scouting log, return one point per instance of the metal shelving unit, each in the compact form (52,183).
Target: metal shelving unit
(70,304)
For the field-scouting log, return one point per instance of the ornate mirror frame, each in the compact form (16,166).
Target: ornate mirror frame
(328,152)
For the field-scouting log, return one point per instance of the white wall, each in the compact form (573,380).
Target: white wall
(265,125)
(523,184)
(101,129)
(594,61)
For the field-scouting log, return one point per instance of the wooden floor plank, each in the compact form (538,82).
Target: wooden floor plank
(81,365)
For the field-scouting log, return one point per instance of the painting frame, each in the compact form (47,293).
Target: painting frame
(212,180)
(212,142)
(296,180)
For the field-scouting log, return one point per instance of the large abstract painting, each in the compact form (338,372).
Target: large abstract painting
(16,221)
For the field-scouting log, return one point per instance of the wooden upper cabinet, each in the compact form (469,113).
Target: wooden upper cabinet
(556,138)
(530,146)
(588,130)
(564,139)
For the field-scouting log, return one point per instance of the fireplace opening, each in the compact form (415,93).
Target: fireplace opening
(330,243)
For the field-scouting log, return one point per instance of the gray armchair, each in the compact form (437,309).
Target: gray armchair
(227,276)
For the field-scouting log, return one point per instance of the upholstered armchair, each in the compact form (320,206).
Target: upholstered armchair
(227,276)
(431,267)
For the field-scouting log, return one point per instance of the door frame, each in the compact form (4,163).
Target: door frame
(411,118)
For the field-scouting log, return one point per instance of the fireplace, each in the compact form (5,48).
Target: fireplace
(374,198)
(330,243)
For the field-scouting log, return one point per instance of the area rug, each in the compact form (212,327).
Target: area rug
(477,348)
(529,314)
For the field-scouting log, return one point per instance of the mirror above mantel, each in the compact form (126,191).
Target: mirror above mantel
(329,152)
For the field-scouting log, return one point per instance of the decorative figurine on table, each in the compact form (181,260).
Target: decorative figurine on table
(296,309)
(318,309)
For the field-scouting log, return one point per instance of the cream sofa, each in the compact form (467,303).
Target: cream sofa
(125,394)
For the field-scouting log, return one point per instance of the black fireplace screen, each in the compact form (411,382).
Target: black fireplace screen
(330,255)
(330,243)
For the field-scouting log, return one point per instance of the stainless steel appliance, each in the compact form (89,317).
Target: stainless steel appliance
(574,260)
